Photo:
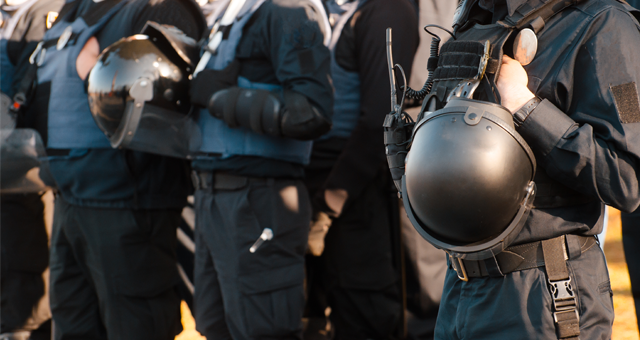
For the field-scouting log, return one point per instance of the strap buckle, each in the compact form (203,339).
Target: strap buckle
(564,299)
(458,266)
(38,54)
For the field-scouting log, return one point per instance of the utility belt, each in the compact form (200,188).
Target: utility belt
(551,254)
(207,180)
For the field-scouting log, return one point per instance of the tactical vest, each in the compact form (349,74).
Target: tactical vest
(69,121)
(9,24)
(218,137)
(479,48)
(346,84)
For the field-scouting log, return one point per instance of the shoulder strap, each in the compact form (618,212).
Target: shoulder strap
(535,17)
(13,21)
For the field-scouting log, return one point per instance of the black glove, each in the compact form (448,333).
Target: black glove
(208,82)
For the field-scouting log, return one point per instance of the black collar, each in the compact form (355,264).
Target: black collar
(512,5)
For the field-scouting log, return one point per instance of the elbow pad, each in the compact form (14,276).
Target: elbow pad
(260,111)
(254,109)
(300,120)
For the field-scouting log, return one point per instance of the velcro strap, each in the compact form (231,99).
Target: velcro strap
(568,325)
(229,111)
(432,63)
(554,259)
(396,160)
(459,60)
(396,136)
(492,66)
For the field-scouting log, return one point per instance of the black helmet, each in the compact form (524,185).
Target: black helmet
(139,92)
(468,186)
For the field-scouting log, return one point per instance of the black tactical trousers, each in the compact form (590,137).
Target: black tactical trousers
(114,274)
(519,305)
(631,242)
(356,270)
(242,295)
(25,256)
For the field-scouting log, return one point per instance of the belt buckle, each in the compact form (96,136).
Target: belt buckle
(458,266)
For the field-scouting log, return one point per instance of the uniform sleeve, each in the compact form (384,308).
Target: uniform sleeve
(594,145)
(297,53)
(363,155)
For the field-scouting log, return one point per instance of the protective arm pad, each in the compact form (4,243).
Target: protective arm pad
(254,109)
(300,120)
(260,111)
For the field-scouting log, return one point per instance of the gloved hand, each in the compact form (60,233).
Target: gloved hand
(208,82)
(317,232)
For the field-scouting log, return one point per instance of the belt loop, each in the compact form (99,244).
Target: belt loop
(493,268)
(573,246)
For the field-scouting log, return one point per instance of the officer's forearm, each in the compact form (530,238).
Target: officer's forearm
(260,111)
(581,159)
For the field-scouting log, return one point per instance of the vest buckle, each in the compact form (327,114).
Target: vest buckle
(37,54)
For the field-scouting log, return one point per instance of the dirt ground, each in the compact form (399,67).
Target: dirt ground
(625,326)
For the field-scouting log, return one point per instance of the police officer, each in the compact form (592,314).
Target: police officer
(266,94)
(25,252)
(113,262)
(631,237)
(575,103)
(348,180)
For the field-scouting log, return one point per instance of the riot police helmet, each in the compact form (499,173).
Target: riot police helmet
(139,91)
(468,186)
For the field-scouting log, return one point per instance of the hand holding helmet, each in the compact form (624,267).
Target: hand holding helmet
(512,84)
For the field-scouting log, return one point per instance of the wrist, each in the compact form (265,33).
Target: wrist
(520,115)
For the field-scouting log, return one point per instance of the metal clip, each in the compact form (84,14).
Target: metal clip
(36,52)
(267,235)
(458,266)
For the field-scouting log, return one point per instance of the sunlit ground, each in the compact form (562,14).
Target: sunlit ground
(625,326)
(189,332)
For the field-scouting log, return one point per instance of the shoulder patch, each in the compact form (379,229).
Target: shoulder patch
(51,18)
(627,102)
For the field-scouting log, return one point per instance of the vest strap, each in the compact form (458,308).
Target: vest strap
(565,304)
(528,16)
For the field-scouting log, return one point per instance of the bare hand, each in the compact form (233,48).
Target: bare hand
(512,85)
(317,232)
(335,199)
(88,57)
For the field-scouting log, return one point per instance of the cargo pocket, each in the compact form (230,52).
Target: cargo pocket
(606,295)
(273,301)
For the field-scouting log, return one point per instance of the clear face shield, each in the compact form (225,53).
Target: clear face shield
(22,161)
(150,128)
